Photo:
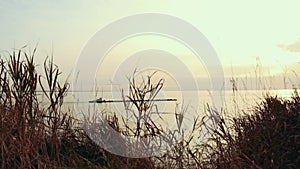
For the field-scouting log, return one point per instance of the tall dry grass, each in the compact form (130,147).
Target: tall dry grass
(38,134)
(268,137)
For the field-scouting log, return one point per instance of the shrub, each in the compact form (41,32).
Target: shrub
(267,138)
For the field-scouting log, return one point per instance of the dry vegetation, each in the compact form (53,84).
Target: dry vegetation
(39,135)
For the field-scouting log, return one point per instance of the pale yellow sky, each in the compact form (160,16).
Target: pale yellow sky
(240,31)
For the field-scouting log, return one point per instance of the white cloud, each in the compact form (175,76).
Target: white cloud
(293,47)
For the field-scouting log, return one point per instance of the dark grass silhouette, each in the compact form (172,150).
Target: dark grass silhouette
(37,134)
(266,138)
(40,134)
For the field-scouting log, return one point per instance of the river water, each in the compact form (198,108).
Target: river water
(191,103)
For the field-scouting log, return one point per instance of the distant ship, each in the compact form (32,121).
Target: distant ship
(101,100)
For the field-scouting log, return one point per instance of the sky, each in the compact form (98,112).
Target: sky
(257,42)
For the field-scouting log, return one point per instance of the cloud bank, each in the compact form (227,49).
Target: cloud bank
(293,47)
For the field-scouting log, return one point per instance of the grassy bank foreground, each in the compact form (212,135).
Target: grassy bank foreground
(36,134)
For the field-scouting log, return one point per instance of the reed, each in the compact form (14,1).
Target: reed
(266,138)
(38,133)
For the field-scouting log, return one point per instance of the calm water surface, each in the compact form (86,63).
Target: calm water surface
(195,101)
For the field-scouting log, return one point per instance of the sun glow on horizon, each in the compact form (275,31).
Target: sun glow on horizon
(238,31)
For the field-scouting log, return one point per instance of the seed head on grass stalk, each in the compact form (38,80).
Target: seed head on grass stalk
(141,95)
(33,136)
